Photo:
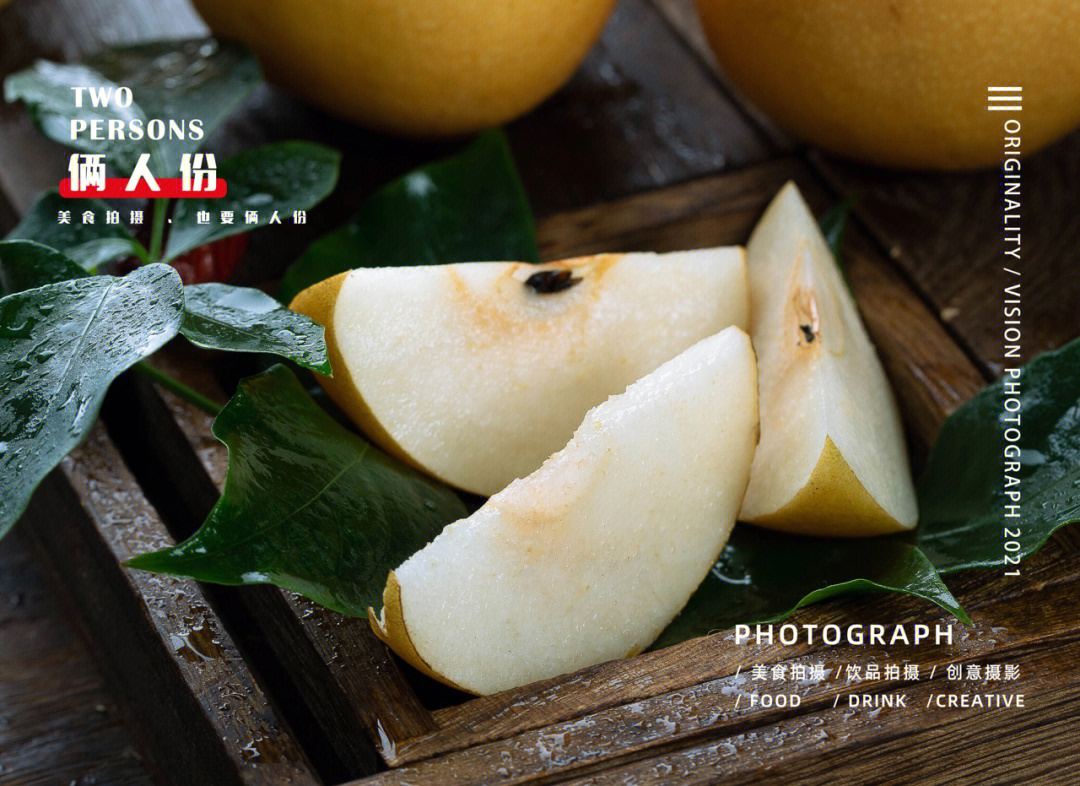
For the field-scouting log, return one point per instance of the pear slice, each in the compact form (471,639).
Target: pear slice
(832,458)
(590,557)
(477,372)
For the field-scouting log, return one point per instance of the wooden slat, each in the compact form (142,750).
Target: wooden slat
(640,113)
(944,231)
(719,708)
(58,722)
(682,17)
(155,636)
(946,747)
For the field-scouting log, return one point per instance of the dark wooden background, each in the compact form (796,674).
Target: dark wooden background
(646,133)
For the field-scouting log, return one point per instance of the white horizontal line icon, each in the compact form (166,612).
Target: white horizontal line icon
(1001,98)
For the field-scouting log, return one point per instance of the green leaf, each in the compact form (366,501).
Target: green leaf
(88,244)
(471,207)
(307,505)
(833,224)
(61,345)
(962,495)
(282,177)
(240,319)
(764,576)
(94,253)
(203,79)
(25,264)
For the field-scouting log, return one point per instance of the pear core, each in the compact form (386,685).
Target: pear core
(832,458)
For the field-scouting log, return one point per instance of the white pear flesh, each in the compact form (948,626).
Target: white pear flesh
(590,557)
(471,375)
(832,459)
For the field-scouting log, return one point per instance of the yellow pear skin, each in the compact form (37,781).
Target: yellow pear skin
(833,501)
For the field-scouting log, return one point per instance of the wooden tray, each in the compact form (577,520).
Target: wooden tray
(169,641)
(256,685)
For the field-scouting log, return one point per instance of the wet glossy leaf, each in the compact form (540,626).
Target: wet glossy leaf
(61,346)
(240,319)
(307,505)
(279,177)
(25,264)
(962,494)
(183,80)
(94,253)
(468,208)
(88,243)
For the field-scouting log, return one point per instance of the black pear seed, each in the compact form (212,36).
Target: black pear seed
(547,282)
